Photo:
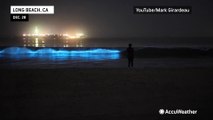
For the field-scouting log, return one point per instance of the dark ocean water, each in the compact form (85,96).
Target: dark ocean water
(22,57)
(110,52)
(150,42)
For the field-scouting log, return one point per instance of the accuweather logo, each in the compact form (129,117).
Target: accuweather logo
(177,111)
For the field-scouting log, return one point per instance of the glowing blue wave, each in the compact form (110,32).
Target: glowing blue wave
(60,54)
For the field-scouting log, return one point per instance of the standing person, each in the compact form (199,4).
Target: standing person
(130,55)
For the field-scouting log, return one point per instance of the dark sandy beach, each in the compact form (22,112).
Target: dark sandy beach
(104,93)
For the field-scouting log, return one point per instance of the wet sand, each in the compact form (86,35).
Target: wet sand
(104,93)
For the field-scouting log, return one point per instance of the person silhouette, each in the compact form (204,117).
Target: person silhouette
(130,55)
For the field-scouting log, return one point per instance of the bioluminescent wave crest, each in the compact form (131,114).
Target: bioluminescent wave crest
(59,54)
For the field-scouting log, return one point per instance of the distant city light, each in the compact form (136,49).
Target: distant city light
(36,30)
(36,33)
(73,37)
(65,35)
(79,34)
(51,39)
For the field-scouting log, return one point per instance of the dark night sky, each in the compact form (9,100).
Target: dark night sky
(112,18)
